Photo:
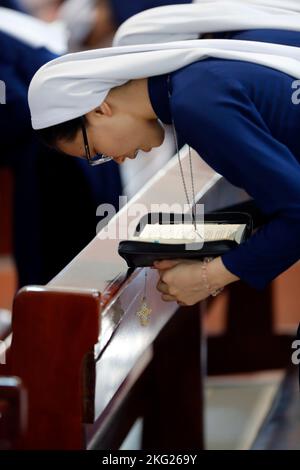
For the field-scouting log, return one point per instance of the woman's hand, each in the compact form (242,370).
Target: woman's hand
(181,280)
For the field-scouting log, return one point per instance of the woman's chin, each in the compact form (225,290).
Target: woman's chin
(161,137)
(158,142)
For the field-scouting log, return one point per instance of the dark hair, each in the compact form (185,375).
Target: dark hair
(63,131)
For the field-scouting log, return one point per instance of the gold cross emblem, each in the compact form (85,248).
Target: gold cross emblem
(143,313)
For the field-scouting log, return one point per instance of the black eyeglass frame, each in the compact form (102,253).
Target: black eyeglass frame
(99,158)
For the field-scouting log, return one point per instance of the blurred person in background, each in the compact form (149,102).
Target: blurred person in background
(92,23)
(55,197)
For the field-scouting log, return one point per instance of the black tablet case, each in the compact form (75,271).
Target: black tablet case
(142,254)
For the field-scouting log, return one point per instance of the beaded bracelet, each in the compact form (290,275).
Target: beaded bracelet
(212,292)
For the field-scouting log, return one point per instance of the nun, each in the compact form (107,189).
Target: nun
(211,19)
(55,197)
(230,100)
(253,20)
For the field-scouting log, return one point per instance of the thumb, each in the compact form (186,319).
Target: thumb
(166,263)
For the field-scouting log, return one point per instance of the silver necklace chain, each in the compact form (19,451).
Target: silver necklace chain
(191,204)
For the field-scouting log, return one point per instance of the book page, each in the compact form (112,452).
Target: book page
(185,233)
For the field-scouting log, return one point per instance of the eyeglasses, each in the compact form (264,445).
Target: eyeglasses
(97,159)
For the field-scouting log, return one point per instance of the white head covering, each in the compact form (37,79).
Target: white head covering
(34,32)
(189,21)
(79,17)
(74,84)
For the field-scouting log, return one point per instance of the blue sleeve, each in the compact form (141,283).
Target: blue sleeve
(12,4)
(226,129)
(124,9)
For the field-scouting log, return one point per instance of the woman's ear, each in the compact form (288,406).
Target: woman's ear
(103,110)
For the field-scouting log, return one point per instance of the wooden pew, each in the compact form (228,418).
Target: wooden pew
(84,356)
(90,367)
(13,411)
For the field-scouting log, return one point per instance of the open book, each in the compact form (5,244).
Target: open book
(186,233)
(153,239)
